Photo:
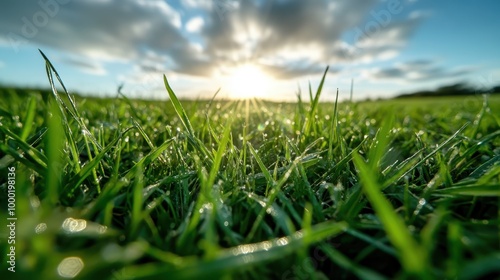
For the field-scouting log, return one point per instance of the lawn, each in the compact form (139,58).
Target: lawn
(130,189)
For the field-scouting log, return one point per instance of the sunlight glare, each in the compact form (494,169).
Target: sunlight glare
(248,81)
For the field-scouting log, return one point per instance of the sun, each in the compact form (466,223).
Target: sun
(248,81)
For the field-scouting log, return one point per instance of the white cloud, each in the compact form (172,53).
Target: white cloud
(198,4)
(194,25)
(289,38)
(88,67)
(110,30)
(412,71)
(161,5)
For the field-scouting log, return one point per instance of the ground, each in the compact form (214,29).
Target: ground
(248,189)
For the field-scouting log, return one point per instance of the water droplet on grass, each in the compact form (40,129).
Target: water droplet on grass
(41,227)
(34,201)
(419,207)
(71,225)
(102,229)
(70,267)
(282,241)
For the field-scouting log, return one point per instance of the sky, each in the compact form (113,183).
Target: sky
(251,48)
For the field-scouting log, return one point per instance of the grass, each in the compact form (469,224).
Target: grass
(129,189)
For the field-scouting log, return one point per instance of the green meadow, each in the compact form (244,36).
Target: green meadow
(249,189)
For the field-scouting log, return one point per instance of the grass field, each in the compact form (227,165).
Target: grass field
(127,189)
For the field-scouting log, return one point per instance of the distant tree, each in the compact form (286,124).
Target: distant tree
(495,89)
(456,89)
(448,90)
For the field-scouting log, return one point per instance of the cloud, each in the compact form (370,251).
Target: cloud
(289,72)
(385,42)
(286,38)
(197,4)
(289,36)
(104,30)
(416,70)
(194,25)
(85,66)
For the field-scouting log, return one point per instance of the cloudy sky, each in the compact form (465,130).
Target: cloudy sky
(251,47)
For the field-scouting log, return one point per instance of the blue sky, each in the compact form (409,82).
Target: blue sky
(251,48)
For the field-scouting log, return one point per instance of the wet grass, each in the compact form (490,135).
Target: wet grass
(128,189)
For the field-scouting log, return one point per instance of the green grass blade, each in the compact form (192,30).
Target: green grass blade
(27,149)
(28,121)
(136,202)
(51,67)
(314,104)
(438,148)
(269,178)
(178,108)
(485,167)
(75,181)
(472,190)
(412,257)
(334,133)
(214,170)
(455,261)
(54,144)
(181,113)
(32,164)
(478,268)
(240,257)
(372,241)
(380,143)
(62,108)
(344,262)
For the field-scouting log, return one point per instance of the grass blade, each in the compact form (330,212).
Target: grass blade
(314,104)
(28,121)
(185,121)
(178,108)
(472,190)
(240,257)
(412,256)
(54,144)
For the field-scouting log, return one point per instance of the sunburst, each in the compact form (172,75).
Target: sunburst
(248,81)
